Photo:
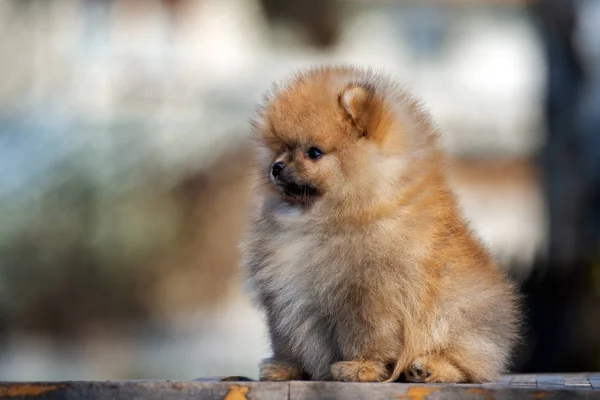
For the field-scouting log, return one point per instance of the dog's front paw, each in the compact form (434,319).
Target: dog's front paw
(359,371)
(433,369)
(273,370)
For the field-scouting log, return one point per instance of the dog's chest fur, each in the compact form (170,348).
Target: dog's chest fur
(310,283)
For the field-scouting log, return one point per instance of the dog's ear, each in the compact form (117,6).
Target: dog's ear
(356,101)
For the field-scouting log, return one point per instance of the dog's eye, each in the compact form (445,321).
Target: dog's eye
(314,153)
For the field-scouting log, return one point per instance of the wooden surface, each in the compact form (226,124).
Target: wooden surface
(550,386)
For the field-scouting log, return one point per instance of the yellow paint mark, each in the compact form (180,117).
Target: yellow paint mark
(237,392)
(27,390)
(486,393)
(418,392)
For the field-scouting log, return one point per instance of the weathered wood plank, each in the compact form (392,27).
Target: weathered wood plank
(579,382)
(376,391)
(594,380)
(349,391)
(506,379)
(223,379)
(568,386)
(145,390)
(524,381)
(550,381)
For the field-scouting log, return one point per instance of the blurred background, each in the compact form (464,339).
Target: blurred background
(124,166)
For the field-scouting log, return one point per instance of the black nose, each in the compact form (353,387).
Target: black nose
(277,168)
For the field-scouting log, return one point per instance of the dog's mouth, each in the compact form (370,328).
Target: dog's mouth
(295,191)
(299,190)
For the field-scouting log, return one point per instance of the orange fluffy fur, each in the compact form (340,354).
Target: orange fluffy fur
(358,253)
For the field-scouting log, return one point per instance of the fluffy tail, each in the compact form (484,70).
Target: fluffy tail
(402,364)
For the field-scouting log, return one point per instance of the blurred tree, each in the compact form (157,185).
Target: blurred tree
(319,18)
(115,241)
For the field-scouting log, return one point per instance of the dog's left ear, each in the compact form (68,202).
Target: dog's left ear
(355,102)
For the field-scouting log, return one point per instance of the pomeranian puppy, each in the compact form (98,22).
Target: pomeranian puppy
(358,253)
